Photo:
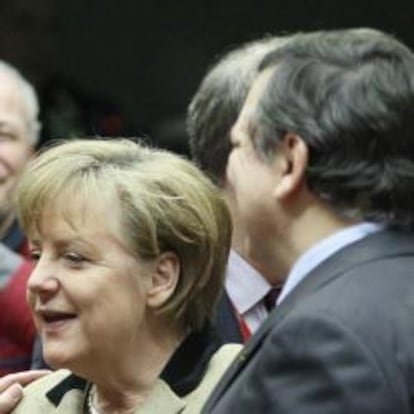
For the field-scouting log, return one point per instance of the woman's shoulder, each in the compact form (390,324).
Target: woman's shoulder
(218,364)
(227,353)
(47,382)
(165,400)
(37,398)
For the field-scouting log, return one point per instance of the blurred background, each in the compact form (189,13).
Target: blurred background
(130,67)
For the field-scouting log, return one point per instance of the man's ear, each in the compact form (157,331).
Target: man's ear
(164,279)
(293,161)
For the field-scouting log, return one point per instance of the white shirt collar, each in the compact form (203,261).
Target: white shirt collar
(324,249)
(244,284)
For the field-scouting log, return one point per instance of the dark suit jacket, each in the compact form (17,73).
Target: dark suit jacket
(341,343)
(226,322)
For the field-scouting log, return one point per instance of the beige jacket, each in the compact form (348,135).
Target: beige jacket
(37,396)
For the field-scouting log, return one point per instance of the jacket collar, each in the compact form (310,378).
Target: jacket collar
(187,367)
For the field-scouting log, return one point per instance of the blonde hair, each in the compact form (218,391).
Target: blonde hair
(167,204)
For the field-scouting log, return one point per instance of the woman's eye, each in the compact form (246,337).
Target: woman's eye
(35,255)
(74,258)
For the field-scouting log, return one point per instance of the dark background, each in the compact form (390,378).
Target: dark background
(130,67)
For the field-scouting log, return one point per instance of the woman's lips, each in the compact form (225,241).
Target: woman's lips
(53,320)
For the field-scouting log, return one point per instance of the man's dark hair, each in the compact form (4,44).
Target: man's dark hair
(349,95)
(218,101)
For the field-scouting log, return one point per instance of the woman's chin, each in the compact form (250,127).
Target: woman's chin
(56,358)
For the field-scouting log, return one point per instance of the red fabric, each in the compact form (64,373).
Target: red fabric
(244,329)
(24,249)
(17,330)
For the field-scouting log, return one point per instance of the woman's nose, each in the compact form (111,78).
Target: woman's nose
(43,281)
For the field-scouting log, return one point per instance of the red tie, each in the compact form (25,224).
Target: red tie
(244,330)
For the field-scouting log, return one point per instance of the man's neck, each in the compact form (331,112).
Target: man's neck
(278,253)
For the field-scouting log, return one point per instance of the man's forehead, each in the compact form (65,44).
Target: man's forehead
(13,108)
(10,123)
(10,119)
(11,89)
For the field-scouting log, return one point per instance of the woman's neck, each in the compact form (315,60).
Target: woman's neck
(131,385)
(100,402)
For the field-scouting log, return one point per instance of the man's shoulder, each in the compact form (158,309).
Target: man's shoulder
(369,273)
(379,288)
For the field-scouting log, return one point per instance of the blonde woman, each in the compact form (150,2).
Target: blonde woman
(130,245)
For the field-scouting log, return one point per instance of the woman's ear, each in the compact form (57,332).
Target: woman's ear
(293,153)
(164,279)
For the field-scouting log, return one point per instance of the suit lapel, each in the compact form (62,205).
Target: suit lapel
(378,245)
(226,323)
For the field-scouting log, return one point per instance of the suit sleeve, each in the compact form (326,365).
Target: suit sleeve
(313,364)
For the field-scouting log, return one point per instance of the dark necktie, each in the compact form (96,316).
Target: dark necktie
(269,301)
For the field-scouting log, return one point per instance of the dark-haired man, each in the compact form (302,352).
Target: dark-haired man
(325,141)
(248,295)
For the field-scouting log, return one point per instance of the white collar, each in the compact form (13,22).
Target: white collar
(245,286)
(318,253)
